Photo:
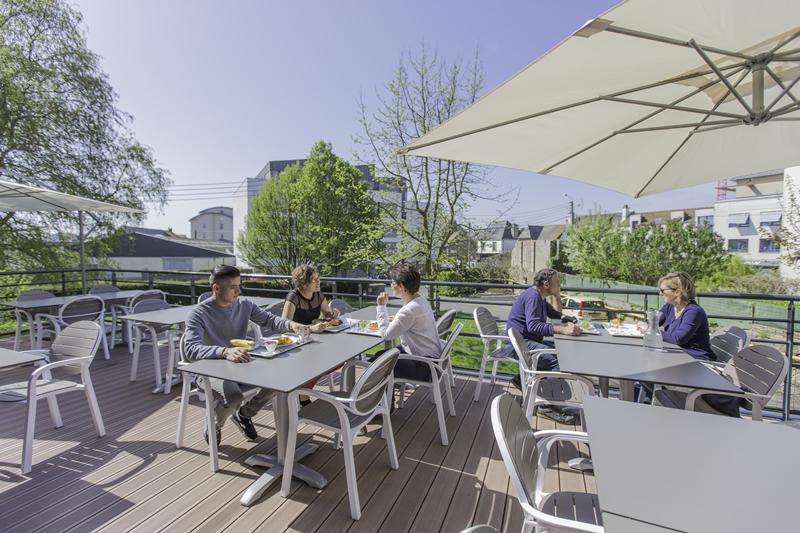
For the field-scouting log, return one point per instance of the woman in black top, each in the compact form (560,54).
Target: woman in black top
(304,305)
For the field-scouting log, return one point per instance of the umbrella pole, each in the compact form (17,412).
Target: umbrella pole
(83,252)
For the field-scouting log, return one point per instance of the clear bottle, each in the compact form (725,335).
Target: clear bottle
(652,336)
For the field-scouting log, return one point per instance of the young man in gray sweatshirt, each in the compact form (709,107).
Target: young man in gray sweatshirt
(209,329)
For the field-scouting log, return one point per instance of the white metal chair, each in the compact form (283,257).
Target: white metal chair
(23,315)
(493,351)
(443,326)
(97,290)
(526,454)
(345,414)
(127,309)
(482,528)
(205,296)
(727,341)
(440,380)
(145,334)
(89,308)
(341,305)
(757,370)
(72,352)
(546,387)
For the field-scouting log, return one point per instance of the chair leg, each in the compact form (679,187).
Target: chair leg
(129,331)
(330,382)
(186,390)
(494,372)
(106,354)
(156,357)
(55,414)
(288,459)
(481,372)
(94,408)
(350,470)
(402,399)
(437,397)
(170,362)
(137,347)
(27,444)
(18,335)
(388,434)
(448,391)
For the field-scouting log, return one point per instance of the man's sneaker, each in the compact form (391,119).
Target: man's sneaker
(245,425)
(558,416)
(219,435)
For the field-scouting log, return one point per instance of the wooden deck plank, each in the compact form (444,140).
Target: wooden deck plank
(135,480)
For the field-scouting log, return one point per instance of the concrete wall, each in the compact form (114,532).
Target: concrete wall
(754,207)
(527,257)
(212,227)
(196,264)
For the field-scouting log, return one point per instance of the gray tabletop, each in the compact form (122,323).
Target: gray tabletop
(614,523)
(692,471)
(605,336)
(179,315)
(11,358)
(635,363)
(56,301)
(289,370)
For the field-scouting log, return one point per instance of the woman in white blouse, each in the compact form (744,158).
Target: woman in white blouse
(414,323)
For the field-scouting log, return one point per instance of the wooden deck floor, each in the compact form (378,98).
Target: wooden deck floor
(134,479)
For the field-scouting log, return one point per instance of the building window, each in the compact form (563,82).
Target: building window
(737,245)
(707,220)
(771,219)
(767,246)
(221,236)
(494,246)
(738,220)
(634,224)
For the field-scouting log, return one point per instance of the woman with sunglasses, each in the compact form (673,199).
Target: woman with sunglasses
(685,323)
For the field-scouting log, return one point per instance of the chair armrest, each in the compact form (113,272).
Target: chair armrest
(692,397)
(355,362)
(49,366)
(39,316)
(563,375)
(495,337)
(564,433)
(321,396)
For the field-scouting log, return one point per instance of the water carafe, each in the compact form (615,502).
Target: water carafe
(652,336)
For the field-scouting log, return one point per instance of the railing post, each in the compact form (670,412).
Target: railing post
(360,295)
(194,290)
(645,302)
(113,277)
(63,282)
(149,280)
(335,289)
(787,386)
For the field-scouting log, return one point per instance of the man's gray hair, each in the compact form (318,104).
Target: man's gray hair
(544,275)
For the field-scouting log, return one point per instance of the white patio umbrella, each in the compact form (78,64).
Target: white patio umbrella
(16,197)
(651,96)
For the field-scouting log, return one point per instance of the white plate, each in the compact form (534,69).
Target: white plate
(336,329)
(262,352)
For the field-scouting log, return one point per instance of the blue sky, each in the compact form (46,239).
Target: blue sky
(217,89)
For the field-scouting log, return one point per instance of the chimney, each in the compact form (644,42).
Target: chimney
(626,211)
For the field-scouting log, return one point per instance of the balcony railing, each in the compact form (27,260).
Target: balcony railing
(183,288)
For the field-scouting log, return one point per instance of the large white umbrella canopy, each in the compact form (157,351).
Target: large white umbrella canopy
(16,197)
(651,96)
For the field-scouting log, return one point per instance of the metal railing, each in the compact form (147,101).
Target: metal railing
(183,288)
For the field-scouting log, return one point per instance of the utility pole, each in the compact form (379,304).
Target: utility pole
(469,243)
(571,218)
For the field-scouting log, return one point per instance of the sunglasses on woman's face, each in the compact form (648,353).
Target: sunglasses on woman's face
(664,291)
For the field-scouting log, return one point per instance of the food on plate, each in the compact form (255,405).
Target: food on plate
(334,322)
(373,325)
(283,340)
(243,343)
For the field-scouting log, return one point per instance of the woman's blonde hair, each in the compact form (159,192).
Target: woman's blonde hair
(302,275)
(681,282)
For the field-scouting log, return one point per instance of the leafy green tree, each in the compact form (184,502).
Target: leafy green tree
(425,198)
(600,248)
(59,124)
(788,236)
(321,211)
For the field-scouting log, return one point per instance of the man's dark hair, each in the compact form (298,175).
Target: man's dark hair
(222,273)
(407,276)
(544,275)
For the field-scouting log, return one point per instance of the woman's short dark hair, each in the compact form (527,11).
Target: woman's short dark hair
(223,272)
(302,275)
(543,276)
(407,276)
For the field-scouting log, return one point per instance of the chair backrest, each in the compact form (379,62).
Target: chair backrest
(182,349)
(451,340)
(445,322)
(205,296)
(341,305)
(372,385)
(759,369)
(80,339)
(82,308)
(34,294)
(103,289)
(154,294)
(517,445)
(486,323)
(275,308)
(143,306)
(728,341)
(526,359)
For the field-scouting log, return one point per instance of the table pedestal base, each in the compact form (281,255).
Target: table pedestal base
(275,473)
